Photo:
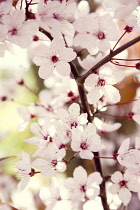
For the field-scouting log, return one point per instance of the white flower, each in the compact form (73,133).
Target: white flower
(123,8)
(56,17)
(106,126)
(82,186)
(50,196)
(135,114)
(123,184)
(102,85)
(25,170)
(130,158)
(19,32)
(72,117)
(56,56)
(95,36)
(52,163)
(86,142)
(43,138)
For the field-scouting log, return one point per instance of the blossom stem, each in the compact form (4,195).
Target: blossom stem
(118,104)
(118,64)
(104,157)
(86,109)
(31,91)
(110,115)
(119,40)
(108,58)
(125,59)
(68,161)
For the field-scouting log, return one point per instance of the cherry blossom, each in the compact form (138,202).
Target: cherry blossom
(25,170)
(83,186)
(52,163)
(56,56)
(56,17)
(135,114)
(129,157)
(89,61)
(43,138)
(55,196)
(97,36)
(123,184)
(19,32)
(86,142)
(72,117)
(123,8)
(102,85)
(66,91)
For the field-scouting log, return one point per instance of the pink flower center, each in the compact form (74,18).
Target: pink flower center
(74,124)
(32,173)
(70,94)
(84,145)
(54,162)
(122,183)
(54,59)
(83,188)
(138,66)
(101,35)
(62,146)
(101,82)
(13,32)
(128,29)
(3,98)
(130,115)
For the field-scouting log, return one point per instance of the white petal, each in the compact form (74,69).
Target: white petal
(117,177)
(63,68)
(74,110)
(86,154)
(24,182)
(125,195)
(80,175)
(45,71)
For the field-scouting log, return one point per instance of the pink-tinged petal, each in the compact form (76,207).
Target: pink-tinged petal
(136,117)
(125,195)
(45,71)
(124,146)
(92,193)
(89,131)
(67,28)
(86,154)
(136,107)
(33,140)
(94,95)
(14,20)
(133,185)
(114,188)
(63,115)
(63,68)
(57,45)
(137,143)
(74,110)
(84,40)
(111,94)
(92,80)
(80,175)
(36,130)
(103,45)
(94,178)
(117,177)
(67,54)
(69,183)
(24,182)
